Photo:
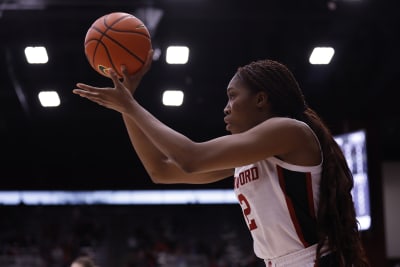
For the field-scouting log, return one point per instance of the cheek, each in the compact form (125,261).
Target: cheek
(244,110)
(240,107)
(236,106)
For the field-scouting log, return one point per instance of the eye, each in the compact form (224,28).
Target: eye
(231,96)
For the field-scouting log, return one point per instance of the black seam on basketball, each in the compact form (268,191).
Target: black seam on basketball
(120,31)
(99,40)
(91,60)
(110,28)
(97,44)
(130,32)
(106,29)
(118,43)
(109,58)
(116,21)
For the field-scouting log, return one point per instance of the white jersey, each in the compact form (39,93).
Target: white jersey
(279,202)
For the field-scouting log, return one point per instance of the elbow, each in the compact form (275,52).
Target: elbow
(157,181)
(159,172)
(162,174)
(173,170)
(154,179)
(158,178)
(188,166)
(187,159)
(165,178)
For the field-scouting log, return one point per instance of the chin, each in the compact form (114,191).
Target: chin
(232,131)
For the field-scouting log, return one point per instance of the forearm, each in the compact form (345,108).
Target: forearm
(157,164)
(173,145)
(152,158)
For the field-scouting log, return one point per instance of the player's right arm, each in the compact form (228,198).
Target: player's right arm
(159,167)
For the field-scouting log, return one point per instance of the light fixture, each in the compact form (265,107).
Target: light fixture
(36,54)
(321,55)
(177,55)
(172,98)
(49,99)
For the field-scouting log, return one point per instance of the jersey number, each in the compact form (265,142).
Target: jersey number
(246,211)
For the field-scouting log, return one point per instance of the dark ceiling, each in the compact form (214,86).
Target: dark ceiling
(80,145)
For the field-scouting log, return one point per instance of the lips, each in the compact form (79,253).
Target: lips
(227,122)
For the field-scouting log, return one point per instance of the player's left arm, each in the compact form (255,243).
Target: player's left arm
(277,136)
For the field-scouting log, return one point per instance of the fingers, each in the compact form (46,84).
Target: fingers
(90,95)
(86,87)
(81,87)
(84,93)
(125,72)
(86,90)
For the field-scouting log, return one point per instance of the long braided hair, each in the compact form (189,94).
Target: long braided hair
(336,218)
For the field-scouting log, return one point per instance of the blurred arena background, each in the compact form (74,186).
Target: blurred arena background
(79,146)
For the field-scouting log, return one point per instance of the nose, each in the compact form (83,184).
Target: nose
(227,109)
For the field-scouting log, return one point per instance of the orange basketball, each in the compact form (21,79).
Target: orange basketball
(117,39)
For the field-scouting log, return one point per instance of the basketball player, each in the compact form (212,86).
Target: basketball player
(290,177)
(83,261)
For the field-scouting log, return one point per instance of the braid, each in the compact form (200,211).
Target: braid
(336,213)
(336,218)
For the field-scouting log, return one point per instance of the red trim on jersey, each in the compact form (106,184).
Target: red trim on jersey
(310,195)
(290,207)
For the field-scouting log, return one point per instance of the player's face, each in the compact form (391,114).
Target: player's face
(241,111)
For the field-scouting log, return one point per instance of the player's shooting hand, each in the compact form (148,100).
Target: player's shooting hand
(118,98)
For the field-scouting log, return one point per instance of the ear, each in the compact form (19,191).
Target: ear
(261,99)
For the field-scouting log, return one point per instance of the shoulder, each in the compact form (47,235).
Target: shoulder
(279,135)
(285,124)
(284,120)
(291,127)
(299,142)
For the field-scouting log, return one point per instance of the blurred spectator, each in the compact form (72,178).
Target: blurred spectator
(83,261)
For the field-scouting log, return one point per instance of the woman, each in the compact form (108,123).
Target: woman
(291,178)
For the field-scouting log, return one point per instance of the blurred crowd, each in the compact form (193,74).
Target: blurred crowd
(126,236)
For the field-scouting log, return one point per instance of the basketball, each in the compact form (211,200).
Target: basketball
(117,39)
